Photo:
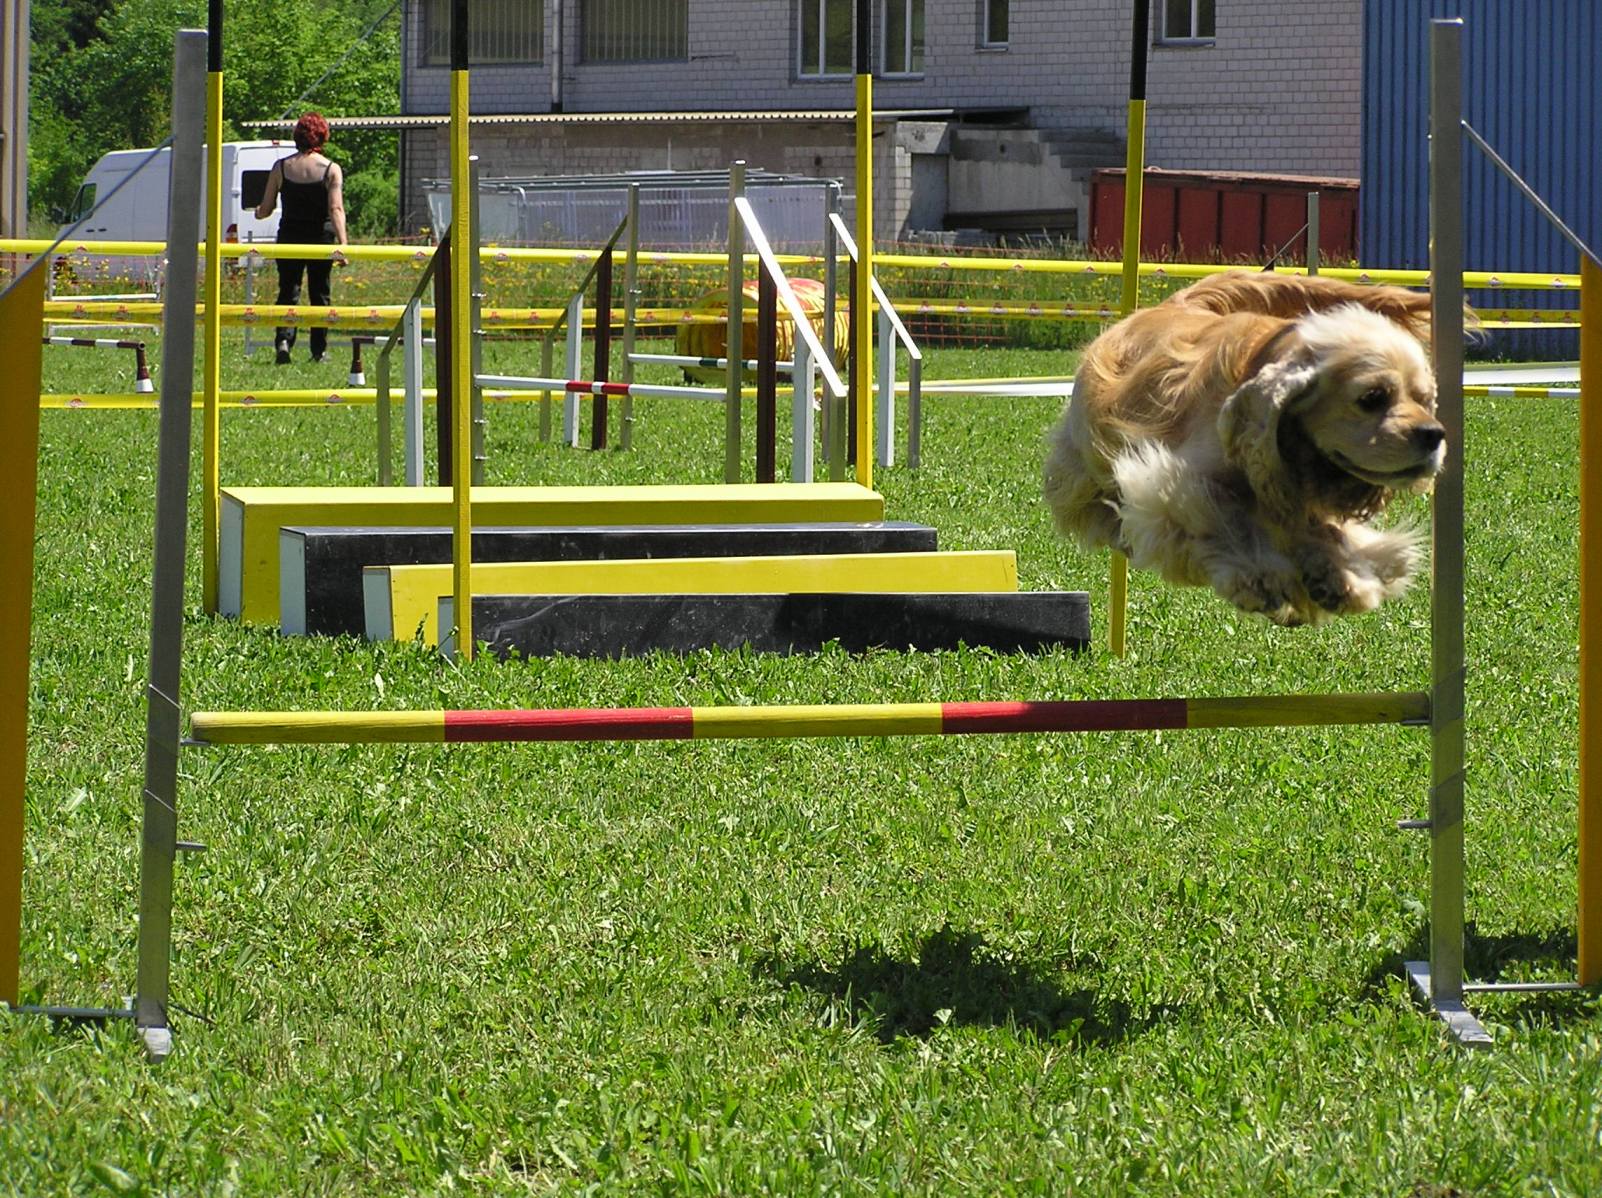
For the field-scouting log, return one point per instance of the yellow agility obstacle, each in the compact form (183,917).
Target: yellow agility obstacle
(252,516)
(401,600)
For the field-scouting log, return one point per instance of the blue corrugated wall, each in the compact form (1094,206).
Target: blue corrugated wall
(1533,89)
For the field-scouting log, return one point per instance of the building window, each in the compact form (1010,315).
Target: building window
(1188,21)
(902,37)
(993,23)
(498,31)
(825,38)
(634,30)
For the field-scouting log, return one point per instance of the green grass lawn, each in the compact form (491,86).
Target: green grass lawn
(1111,964)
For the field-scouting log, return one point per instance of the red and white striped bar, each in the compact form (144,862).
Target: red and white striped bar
(143,384)
(93,342)
(866,719)
(1518,391)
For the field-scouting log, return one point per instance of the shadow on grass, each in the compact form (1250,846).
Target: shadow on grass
(955,978)
(1547,955)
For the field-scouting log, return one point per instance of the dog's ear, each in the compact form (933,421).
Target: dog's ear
(1248,425)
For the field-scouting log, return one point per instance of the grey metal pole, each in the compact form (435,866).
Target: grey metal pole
(250,292)
(1444,987)
(733,350)
(545,396)
(385,435)
(160,836)
(914,413)
(1312,233)
(631,299)
(412,407)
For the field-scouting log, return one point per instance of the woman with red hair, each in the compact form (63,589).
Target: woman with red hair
(314,214)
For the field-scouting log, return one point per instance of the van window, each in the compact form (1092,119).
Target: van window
(252,186)
(82,202)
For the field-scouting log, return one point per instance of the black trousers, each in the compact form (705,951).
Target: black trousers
(317,274)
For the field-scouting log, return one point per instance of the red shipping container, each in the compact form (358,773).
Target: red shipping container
(1225,216)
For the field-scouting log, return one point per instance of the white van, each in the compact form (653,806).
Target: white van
(139,211)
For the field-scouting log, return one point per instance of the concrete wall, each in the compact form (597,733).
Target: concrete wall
(1273,92)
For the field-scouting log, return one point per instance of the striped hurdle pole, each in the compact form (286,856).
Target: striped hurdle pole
(142,383)
(811,721)
(358,373)
(461,331)
(1134,190)
(600,387)
(862,279)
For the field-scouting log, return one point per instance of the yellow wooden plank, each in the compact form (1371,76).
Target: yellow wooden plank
(415,591)
(252,516)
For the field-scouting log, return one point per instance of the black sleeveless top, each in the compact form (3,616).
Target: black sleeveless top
(305,209)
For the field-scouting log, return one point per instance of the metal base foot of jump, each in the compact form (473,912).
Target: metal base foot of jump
(157,1042)
(1459,1020)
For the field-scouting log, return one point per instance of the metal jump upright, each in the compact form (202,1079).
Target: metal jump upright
(1440,980)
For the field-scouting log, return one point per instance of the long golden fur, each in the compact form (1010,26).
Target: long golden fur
(1240,434)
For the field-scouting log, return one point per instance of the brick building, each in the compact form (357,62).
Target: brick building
(991,112)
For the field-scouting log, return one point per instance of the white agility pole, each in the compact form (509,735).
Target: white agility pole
(885,400)
(575,337)
(802,416)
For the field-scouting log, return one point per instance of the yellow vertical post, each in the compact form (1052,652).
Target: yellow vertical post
(862,348)
(1590,865)
(21,310)
(1134,191)
(211,377)
(465,253)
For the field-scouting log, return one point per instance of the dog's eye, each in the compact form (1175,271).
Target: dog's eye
(1375,400)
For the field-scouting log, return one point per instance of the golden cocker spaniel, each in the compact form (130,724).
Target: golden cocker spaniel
(1240,435)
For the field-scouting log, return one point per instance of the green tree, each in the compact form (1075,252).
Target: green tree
(114,90)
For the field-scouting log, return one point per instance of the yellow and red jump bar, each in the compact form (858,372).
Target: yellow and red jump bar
(866,719)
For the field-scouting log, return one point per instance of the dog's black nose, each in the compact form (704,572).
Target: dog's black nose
(1429,436)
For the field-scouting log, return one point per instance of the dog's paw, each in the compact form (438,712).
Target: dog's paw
(1272,595)
(1341,591)
(1393,556)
